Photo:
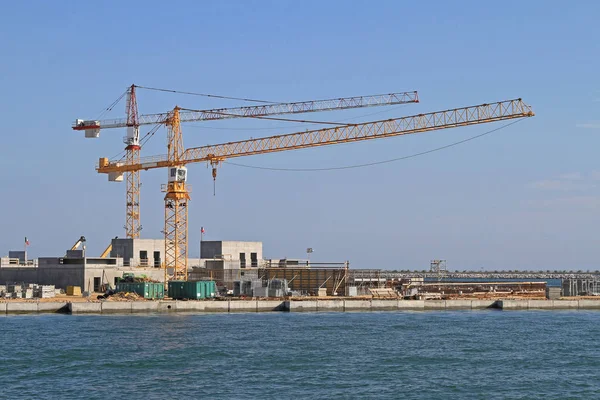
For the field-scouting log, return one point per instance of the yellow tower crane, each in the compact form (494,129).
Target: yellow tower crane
(133,121)
(177,194)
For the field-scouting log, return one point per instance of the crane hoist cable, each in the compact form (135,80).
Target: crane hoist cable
(422,153)
(216,96)
(112,105)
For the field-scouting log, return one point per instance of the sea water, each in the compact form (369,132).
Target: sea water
(365,355)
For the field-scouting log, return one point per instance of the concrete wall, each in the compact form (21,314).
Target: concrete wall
(129,250)
(150,246)
(210,249)
(122,248)
(18,274)
(61,275)
(222,264)
(231,250)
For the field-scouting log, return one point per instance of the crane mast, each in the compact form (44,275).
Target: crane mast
(176,203)
(132,154)
(177,198)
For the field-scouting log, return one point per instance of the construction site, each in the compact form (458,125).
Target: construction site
(154,269)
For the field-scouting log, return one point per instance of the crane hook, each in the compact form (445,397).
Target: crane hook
(214,175)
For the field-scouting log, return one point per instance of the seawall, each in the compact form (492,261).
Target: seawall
(340,305)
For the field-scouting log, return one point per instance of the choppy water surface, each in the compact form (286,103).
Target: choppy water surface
(416,355)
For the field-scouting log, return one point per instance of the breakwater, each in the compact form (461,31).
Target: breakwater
(340,305)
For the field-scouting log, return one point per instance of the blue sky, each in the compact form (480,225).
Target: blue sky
(525,197)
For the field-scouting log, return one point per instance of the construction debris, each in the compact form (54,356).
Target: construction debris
(123,296)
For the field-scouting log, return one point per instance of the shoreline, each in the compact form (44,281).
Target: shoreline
(339,305)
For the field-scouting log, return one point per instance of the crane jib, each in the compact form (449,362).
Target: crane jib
(483,113)
(300,107)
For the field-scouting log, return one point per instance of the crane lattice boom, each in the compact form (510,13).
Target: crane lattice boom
(262,110)
(465,116)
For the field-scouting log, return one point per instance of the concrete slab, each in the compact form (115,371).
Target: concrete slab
(479,304)
(331,305)
(219,306)
(83,308)
(435,304)
(191,306)
(566,304)
(306,305)
(541,304)
(384,304)
(55,306)
(2,308)
(167,305)
(513,304)
(459,304)
(242,305)
(271,305)
(589,304)
(116,307)
(411,304)
(358,305)
(21,307)
(144,306)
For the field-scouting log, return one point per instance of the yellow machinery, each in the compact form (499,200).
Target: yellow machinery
(106,251)
(78,243)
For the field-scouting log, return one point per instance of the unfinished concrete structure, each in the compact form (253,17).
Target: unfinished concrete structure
(232,254)
(310,280)
(581,287)
(228,261)
(89,273)
(139,252)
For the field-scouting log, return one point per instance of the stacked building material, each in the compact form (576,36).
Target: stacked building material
(44,291)
(15,291)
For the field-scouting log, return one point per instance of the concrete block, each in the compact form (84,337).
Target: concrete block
(411,304)
(54,306)
(116,307)
(167,305)
(81,308)
(479,304)
(589,304)
(2,308)
(219,306)
(271,305)
(21,307)
(459,304)
(384,304)
(191,306)
(331,305)
(568,304)
(358,305)
(541,304)
(144,306)
(304,305)
(242,305)
(435,304)
(513,304)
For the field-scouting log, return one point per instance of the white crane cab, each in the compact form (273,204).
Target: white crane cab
(177,174)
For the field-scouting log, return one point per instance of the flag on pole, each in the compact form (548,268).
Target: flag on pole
(26,241)
(201,229)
